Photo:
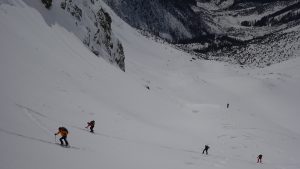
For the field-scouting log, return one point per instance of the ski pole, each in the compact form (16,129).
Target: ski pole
(55,138)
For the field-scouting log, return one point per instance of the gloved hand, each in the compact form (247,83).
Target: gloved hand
(55,134)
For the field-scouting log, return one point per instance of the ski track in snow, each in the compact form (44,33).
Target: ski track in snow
(35,139)
(31,114)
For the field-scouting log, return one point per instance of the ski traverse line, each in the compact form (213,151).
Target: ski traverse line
(35,139)
(32,115)
(37,121)
(31,110)
(100,134)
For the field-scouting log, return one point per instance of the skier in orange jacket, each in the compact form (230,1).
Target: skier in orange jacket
(64,133)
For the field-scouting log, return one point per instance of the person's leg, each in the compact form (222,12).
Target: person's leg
(92,129)
(61,142)
(67,143)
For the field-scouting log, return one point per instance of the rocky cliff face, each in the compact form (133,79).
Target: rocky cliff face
(172,20)
(96,33)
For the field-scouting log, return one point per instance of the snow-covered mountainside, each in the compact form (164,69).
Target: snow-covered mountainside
(262,51)
(269,32)
(89,22)
(158,114)
(256,33)
(224,30)
(215,4)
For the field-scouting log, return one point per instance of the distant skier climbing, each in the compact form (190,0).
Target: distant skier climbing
(91,124)
(259,157)
(206,147)
(64,133)
(227,105)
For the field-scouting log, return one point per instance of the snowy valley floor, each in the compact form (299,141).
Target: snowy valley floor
(49,79)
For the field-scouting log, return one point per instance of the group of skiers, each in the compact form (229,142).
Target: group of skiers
(206,147)
(64,133)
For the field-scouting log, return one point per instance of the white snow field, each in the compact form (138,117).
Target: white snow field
(48,78)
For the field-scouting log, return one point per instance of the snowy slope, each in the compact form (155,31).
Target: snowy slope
(50,79)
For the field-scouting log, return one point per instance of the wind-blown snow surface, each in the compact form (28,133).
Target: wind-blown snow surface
(49,79)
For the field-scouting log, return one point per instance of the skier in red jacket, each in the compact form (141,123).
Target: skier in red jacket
(91,124)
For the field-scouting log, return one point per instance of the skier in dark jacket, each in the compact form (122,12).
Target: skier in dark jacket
(259,157)
(206,147)
(91,124)
(64,133)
